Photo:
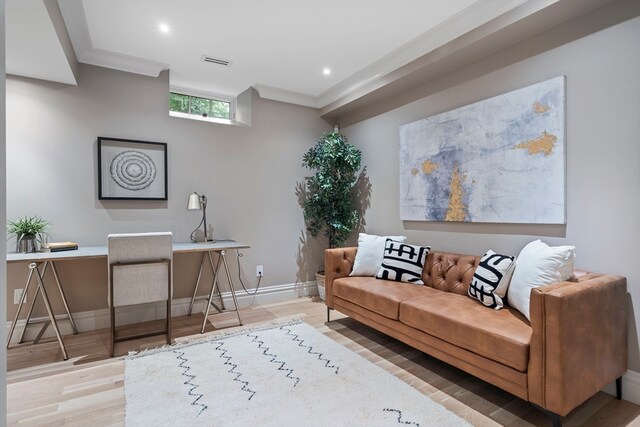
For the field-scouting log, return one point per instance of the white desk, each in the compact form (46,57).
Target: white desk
(80,253)
(46,259)
(101,251)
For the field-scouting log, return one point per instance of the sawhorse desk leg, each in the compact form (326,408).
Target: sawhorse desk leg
(215,288)
(41,290)
(214,270)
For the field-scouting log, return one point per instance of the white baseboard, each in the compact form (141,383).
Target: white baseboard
(630,387)
(99,319)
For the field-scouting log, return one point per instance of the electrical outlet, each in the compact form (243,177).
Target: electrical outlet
(259,271)
(17,294)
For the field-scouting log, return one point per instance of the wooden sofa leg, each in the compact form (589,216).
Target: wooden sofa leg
(328,315)
(619,388)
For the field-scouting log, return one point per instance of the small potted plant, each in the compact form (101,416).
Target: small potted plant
(28,232)
(329,206)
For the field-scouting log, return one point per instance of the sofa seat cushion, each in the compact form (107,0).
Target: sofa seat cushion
(380,296)
(502,336)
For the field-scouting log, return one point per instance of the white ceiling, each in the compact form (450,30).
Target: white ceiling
(279,47)
(282,43)
(32,45)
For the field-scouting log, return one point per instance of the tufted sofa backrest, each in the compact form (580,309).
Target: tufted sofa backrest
(449,272)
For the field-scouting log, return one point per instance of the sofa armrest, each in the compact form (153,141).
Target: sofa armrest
(338,262)
(579,341)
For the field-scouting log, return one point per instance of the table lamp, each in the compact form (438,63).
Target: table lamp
(197,202)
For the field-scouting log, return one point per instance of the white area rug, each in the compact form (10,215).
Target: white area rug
(285,375)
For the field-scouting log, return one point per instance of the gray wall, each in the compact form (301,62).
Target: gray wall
(3,245)
(248,174)
(603,149)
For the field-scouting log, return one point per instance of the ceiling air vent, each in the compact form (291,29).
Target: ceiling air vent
(218,61)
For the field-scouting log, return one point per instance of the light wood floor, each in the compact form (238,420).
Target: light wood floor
(87,390)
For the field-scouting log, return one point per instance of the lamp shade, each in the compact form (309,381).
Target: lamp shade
(194,202)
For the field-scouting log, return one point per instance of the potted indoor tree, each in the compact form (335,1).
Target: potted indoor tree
(28,231)
(329,207)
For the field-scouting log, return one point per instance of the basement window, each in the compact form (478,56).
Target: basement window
(201,106)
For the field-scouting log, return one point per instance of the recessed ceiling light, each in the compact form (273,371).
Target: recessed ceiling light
(164,28)
(326,71)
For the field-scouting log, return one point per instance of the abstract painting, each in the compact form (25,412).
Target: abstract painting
(131,170)
(500,160)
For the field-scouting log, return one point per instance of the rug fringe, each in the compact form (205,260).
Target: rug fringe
(211,338)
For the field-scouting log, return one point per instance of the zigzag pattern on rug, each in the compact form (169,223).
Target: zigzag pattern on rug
(223,355)
(171,386)
(400,420)
(273,358)
(295,337)
(188,382)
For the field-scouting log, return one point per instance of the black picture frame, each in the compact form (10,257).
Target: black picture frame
(130,169)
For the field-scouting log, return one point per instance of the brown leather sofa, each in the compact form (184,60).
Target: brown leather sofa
(575,344)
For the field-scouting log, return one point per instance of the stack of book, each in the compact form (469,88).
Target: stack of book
(58,246)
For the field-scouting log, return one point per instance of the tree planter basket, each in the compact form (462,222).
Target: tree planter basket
(320,282)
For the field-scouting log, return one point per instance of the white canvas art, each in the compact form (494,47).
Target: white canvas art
(131,170)
(498,160)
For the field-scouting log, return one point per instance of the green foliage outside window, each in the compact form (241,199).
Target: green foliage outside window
(220,109)
(178,102)
(199,106)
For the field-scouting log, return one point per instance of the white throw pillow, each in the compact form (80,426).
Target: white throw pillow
(370,253)
(538,265)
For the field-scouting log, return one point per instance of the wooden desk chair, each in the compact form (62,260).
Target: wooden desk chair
(140,271)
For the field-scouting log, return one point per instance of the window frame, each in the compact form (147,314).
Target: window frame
(206,95)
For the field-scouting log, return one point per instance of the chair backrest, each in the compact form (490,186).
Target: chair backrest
(140,268)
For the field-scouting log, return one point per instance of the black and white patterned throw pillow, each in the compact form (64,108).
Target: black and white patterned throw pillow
(491,279)
(403,262)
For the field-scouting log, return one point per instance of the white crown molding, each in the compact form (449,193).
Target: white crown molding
(366,79)
(283,95)
(76,22)
(477,22)
(459,24)
(118,61)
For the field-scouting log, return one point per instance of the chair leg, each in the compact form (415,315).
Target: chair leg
(112,312)
(170,295)
(169,321)
(328,315)
(619,388)
(113,330)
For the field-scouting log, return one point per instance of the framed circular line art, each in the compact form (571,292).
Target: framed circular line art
(129,169)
